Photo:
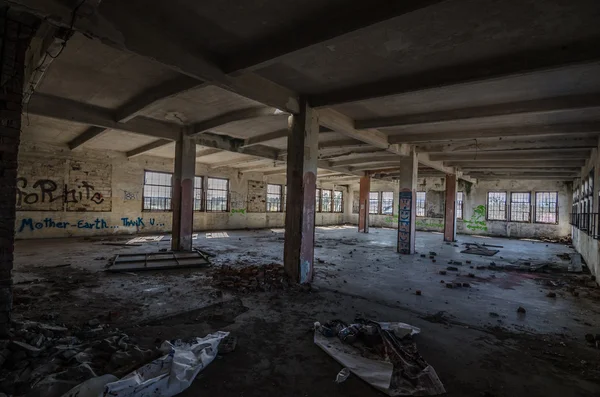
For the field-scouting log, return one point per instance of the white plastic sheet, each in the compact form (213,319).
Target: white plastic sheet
(166,376)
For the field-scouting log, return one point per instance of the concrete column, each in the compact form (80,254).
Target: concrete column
(450,211)
(363,204)
(303,152)
(183,193)
(407,204)
(14,41)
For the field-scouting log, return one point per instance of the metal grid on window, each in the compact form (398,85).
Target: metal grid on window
(496,206)
(217,194)
(420,203)
(198,193)
(284,197)
(373,202)
(158,190)
(459,205)
(520,207)
(338,200)
(318,200)
(546,207)
(387,203)
(274,198)
(326,201)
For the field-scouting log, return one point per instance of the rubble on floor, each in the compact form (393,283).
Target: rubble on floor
(254,278)
(382,354)
(50,359)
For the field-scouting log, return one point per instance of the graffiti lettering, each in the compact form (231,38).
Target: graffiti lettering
(47,191)
(28,224)
(477,221)
(130,222)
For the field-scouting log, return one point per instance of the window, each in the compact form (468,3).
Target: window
(546,207)
(387,203)
(318,201)
(496,206)
(284,197)
(373,202)
(217,194)
(326,203)
(158,190)
(274,198)
(338,201)
(420,203)
(520,207)
(198,193)
(459,205)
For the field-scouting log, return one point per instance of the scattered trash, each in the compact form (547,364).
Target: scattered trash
(476,249)
(423,256)
(452,268)
(432,253)
(551,294)
(466,285)
(254,278)
(468,262)
(342,375)
(471,275)
(382,354)
(494,314)
(481,267)
(418,292)
(521,309)
(564,256)
(449,285)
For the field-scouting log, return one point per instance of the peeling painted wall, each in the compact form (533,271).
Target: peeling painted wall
(117,206)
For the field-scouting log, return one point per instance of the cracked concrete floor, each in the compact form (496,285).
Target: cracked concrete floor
(540,353)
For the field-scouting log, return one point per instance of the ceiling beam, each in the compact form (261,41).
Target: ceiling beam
(549,170)
(519,163)
(515,64)
(68,110)
(366,160)
(332,21)
(269,136)
(207,152)
(234,116)
(147,147)
(86,136)
(504,144)
(277,171)
(530,130)
(113,25)
(345,125)
(545,105)
(525,177)
(155,94)
(342,144)
(547,154)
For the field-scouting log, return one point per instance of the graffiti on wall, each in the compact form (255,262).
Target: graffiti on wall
(59,185)
(31,225)
(477,221)
(404,220)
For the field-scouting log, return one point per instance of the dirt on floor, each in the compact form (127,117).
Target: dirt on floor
(473,336)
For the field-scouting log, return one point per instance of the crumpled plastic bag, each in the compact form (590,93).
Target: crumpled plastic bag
(168,375)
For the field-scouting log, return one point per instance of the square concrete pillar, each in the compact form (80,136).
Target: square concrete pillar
(363,204)
(303,152)
(450,210)
(183,193)
(407,204)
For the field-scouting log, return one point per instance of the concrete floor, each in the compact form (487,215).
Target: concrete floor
(542,352)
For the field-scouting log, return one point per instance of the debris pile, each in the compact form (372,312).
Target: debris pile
(253,278)
(49,359)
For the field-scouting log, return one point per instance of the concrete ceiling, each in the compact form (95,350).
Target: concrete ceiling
(469,84)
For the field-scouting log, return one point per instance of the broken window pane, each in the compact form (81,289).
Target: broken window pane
(387,203)
(338,199)
(546,207)
(520,207)
(496,204)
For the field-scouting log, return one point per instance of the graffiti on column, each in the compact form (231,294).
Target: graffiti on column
(404,219)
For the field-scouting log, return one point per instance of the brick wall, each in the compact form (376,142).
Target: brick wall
(14,42)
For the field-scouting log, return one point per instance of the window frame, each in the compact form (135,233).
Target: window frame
(487,210)
(510,210)
(318,200)
(341,202)
(462,204)
(382,200)
(201,188)
(330,200)
(208,179)
(378,209)
(144,184)
(417,208)
(280,195)
(555,210)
